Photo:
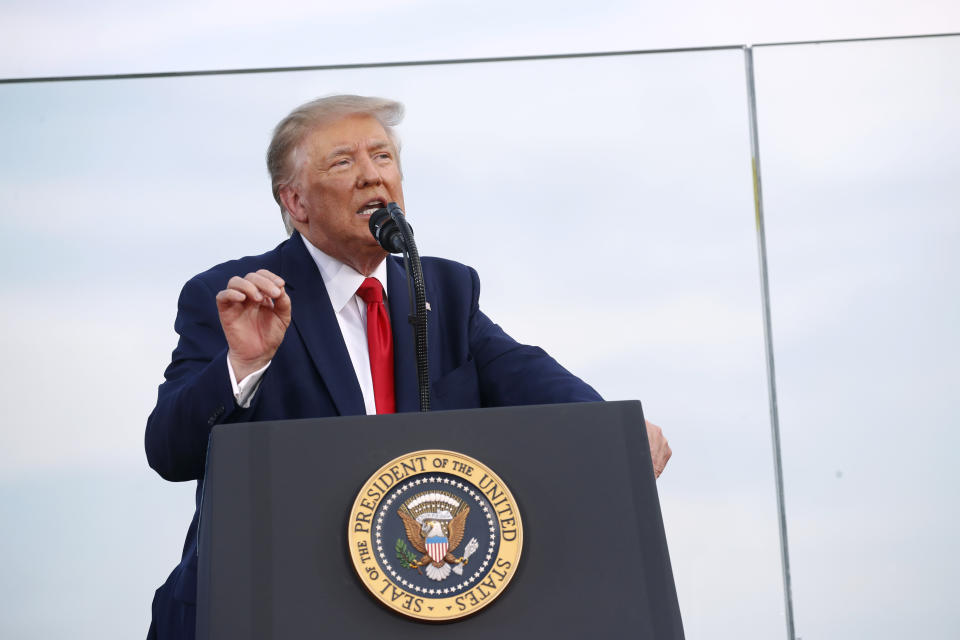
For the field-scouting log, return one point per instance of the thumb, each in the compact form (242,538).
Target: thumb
(282,305)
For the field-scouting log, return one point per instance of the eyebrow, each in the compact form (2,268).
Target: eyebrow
(347,149)
(377,145)
(342,150)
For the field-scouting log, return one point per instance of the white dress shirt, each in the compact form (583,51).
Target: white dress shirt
(342,283)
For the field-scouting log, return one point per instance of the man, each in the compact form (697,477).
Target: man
(305,331)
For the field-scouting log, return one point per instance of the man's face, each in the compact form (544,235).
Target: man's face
(350,169)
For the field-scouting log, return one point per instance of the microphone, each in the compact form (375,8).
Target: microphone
(386,231)
(392,231)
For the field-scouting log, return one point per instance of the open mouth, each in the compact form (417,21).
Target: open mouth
(368,209)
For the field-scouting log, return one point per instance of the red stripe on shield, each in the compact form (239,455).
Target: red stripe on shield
(437,548)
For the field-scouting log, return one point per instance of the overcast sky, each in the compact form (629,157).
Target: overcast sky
(112,194)
(82,37)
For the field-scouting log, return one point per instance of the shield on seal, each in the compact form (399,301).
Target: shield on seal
(437,548)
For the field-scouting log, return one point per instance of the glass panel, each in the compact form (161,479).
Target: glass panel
(606,204)
(860,166)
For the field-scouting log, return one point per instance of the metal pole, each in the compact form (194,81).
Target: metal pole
(768,339)
(449,61)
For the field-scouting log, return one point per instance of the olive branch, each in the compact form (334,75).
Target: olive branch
(405,556)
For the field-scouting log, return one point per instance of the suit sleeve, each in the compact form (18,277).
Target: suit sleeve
(196,394)
(511,373)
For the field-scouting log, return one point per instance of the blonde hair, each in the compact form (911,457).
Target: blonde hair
(283,159)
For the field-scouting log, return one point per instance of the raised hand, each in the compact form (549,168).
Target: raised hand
(255,313)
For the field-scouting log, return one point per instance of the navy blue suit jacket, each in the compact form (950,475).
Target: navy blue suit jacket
(473,363)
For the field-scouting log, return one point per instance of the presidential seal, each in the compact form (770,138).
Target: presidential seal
(435,535)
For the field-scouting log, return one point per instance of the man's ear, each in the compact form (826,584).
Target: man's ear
(293,203)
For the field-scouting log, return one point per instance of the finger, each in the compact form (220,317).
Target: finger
(277,280)
(242,284)
(264,284)
(654,429)
(661,463)
(230,295)
(281,303)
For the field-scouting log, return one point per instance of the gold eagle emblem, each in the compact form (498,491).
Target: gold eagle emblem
(435,522)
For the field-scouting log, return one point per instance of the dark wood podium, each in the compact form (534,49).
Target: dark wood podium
(274,561)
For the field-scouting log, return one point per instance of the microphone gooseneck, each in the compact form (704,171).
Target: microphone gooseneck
(390,228)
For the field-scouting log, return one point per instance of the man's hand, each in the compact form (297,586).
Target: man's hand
(255,313)
(659,449)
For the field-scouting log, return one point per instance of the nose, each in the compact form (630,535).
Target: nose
(368,174)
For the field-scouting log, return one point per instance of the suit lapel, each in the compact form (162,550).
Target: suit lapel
(404,355)
(316,323)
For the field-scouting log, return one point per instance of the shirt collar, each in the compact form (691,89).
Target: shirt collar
(342,281)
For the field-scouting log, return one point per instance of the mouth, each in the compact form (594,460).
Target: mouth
(367,209)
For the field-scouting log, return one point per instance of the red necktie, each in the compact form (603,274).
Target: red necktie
(380,344)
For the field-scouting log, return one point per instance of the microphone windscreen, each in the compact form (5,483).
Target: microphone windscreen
(385,230)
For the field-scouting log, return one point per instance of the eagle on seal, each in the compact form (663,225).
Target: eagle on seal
(436,537)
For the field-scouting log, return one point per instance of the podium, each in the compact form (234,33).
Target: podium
(273,553)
